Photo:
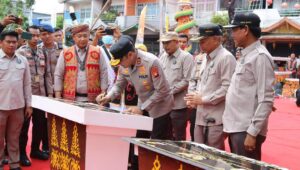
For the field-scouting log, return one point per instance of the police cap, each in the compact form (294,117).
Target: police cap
(122,47)
(207,30)
(250,19)
(46,28)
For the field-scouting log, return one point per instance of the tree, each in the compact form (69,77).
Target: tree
(6,7)
(29,3)
(110,15)
(15,8)
(221,19)
(60,21)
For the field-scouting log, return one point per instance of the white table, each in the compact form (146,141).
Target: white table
(101,138)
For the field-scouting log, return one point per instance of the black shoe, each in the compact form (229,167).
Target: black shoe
(46,151)
(15,168)
(39,155)
(24,161)
(5,161)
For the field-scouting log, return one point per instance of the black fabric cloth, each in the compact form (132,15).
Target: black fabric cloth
(192,119)
(24,136)
(39,130)
(131,99)
(236,143)
(298,97)
(162,129)
(179,119)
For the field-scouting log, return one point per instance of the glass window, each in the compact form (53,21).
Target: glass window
(85,14)
(204,6)
(118,8)
(152,9)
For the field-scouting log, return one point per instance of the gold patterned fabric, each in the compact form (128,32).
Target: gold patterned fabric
(92,68)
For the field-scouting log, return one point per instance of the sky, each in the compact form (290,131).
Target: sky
(48,6)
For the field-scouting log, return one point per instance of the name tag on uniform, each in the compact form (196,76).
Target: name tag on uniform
(143,76)
(36,78)
(42,62)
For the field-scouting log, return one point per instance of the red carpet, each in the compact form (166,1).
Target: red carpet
(281,147)
(282,144)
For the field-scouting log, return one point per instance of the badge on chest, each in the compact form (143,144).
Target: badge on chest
(142,72)
(42,62)
(37,78)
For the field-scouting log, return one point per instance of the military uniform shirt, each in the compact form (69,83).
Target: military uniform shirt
(81,84)
(218,68)
(150,83)
(195,75)
(250,96)
(15,82)
(178,69)
(41,79)
(52,55)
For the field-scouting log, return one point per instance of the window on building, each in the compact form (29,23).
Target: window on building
(224,5)
(204,6)
(152,9)
(85,14)
(118,8)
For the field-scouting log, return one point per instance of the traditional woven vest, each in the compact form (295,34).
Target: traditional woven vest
(92,69)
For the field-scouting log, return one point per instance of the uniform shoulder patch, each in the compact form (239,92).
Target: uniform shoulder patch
(154,71)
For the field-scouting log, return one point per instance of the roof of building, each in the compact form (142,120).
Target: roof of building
(283,22)
(135,27)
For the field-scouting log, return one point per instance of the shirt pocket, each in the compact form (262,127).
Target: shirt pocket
(42,66)
(176,72)
(212,72)
(3,71)
(244,77)
(19,72)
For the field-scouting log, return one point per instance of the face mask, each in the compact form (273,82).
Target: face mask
(108,39)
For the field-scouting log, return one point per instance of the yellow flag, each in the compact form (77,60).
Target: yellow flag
(141,29)
(167,23)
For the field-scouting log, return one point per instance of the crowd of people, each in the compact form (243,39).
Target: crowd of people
(220,96)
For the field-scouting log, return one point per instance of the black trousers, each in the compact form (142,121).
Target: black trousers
(39,132)
(236,143)
(24,136)
(162,129)
(192,119)
(179,119)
